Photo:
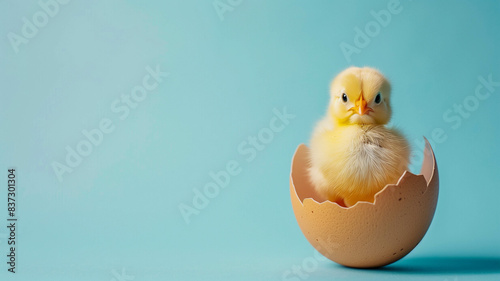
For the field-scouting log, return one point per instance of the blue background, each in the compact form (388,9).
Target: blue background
(118,211)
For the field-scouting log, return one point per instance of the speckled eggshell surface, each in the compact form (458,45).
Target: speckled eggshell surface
(366,234)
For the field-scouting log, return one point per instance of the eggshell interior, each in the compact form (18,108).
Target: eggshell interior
(366,234)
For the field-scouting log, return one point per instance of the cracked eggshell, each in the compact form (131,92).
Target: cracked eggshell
(366,234)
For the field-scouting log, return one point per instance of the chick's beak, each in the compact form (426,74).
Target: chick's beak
(360,106)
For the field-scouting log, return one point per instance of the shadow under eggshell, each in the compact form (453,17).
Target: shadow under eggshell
(366,234)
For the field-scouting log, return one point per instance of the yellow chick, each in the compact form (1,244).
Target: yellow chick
(353,154)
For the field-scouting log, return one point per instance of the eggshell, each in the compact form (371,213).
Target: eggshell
(366,234)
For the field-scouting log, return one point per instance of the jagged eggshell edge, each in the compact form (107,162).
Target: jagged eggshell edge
(366,234)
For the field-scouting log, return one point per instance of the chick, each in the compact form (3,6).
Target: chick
(353,154)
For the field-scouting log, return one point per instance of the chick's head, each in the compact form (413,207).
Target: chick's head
(360,96)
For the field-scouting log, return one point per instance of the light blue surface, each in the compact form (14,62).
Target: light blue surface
(118,211)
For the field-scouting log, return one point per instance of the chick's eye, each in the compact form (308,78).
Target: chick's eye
(378,98)
(344,97)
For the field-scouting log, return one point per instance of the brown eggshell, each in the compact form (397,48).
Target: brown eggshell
(366,234)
